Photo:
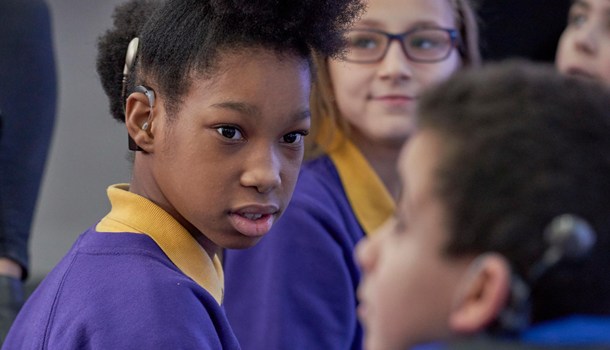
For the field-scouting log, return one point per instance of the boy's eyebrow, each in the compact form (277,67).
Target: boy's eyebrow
(248,109)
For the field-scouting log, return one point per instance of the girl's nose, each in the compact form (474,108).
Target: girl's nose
(395,64)
(586,39)
(262,172)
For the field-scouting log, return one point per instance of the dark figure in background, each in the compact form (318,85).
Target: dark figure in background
(521,28)
(27,114)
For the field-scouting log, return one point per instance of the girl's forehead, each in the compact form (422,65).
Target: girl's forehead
(258,79)
(591,4)
(380,12)
(230,61)
(236,58)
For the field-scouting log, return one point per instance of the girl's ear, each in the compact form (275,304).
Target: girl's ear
(138,121)
(481,295)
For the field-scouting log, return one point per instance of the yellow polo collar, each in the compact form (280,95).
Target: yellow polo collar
(133,213)
(368,196)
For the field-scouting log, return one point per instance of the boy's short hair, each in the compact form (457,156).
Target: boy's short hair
(524,145)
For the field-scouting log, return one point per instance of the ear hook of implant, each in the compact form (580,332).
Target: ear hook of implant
(568,237)
(130,59)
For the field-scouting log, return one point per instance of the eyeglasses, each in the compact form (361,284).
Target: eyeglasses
(419,45)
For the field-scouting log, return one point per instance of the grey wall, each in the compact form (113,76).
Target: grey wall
(89,148)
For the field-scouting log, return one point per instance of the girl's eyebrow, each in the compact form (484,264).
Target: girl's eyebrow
(417,24)
(581,3)
(241,107)
(369,23)
(302,115)
(251,110)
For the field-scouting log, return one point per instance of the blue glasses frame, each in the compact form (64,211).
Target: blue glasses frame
(453,37)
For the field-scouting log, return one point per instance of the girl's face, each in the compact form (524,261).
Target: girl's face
(584,46)
(225,166)
(378,99)
(408,286)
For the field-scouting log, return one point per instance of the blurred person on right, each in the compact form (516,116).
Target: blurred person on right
(584,46)
(501,237)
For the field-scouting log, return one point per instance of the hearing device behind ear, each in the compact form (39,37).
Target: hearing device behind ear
(568,237)
(150,95)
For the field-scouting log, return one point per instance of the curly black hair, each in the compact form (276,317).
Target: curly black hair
(181,37)
(129,19)
(524,145)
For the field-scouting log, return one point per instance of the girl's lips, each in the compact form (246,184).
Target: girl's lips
(393,97)
(395,100)
(252,225)
(581,73)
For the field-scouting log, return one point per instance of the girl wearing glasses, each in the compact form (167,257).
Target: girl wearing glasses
(299,284)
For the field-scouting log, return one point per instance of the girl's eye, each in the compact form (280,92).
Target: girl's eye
(230,132)
(365,43)
(576,19)
(294,137)
(422,43)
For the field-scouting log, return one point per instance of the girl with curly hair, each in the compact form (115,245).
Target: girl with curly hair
(214,95)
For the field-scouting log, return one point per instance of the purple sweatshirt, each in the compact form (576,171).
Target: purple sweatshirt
(296,289)
(119,291)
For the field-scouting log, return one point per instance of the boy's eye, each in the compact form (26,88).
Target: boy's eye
(230,132)
(294,137)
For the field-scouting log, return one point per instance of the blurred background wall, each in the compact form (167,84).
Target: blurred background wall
(88,149)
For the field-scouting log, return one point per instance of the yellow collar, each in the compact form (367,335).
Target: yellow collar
(368,196)
(133,213)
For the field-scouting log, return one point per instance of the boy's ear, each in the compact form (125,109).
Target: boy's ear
(138,121)
(482,294)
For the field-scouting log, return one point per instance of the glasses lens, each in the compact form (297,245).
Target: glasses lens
(428,44)
(365,46)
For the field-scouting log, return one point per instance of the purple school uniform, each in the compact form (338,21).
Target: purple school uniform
(296,289)
(119,291)
(123,290)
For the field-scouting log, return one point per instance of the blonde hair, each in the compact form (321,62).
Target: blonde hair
(326,117)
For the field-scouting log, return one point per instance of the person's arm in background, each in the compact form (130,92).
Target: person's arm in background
(28,94)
